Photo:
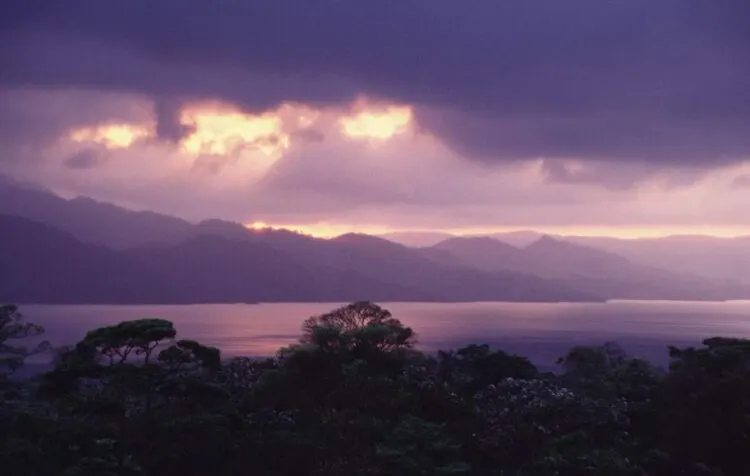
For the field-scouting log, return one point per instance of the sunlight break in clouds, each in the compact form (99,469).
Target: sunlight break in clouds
(376,124)
(321,229)
(333,181)
(111,136)
(223,131)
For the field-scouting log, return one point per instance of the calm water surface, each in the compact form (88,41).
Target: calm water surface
(541,332)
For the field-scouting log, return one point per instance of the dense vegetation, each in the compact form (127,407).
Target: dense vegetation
(353,397)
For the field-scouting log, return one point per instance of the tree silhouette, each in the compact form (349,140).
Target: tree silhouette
(13,327)
(357,326)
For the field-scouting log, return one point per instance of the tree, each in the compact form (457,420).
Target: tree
(13,327)
(189,355)
(608,372)
(419,447)
(359,331)
(103,361)
(118,342)
(540,427)
(355,398)
(358,326)
(474,367)
(706,398)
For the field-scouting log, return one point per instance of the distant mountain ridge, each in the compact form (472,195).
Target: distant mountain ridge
(220,261)
(416,239)
(95,252)
(713,257)
(41,264)
(697,255)
(606,274)
(89,220)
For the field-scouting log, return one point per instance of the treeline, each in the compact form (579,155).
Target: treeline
(354,397)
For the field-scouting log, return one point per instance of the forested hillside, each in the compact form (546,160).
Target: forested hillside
(354,397)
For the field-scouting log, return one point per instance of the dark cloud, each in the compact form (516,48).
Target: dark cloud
(31,120)
(606,135)
(559,171)
(85,159)
(168,124)
(656,81)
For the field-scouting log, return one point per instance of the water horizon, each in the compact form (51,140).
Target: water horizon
(542,332)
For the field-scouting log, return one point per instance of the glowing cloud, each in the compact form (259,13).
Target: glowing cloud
(320,229)
(376,124)
(220,131)
(297,116)
(259,225)
(111,136)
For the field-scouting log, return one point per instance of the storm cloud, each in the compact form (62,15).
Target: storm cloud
(646,81)
(518,113)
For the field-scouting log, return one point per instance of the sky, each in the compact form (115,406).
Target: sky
(610,117)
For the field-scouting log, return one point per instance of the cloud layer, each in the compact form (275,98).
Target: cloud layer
(523,113)
(627,80)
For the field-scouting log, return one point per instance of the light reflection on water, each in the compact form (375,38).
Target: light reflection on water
(539,331)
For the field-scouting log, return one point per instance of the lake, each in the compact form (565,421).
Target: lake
(541,331)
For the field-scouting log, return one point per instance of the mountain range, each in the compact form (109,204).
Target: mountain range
(697,255)
(603,273)
(56,250)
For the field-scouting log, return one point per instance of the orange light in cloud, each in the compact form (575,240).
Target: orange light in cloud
(221,129)
(376,124)
(111,136)
(297,116)
(621,232)
(322,230)
(223,132)
(330,230)
(258,225)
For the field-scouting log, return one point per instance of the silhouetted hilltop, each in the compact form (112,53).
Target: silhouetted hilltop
(488,254)
(709,256)
(214,269)
(222,261)
(41,264)
(90,220)
(581,267)
(44,265)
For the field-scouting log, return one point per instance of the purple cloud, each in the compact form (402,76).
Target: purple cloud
(659,82)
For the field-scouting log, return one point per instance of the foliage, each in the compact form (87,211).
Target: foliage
(354,397)
(13,327)
(419,447)
(118,342)
(357,329)
(474,367)
(708,404)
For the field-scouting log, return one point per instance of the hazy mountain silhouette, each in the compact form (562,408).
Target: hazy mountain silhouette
(614,276)
(696,255)
(158,258)
(709,256)
(40,264)
(417,239)
(563,258)
(518,239)
(382,259)
(213,269)
(489,254)
(90,220)
(423,239)
(582,267)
